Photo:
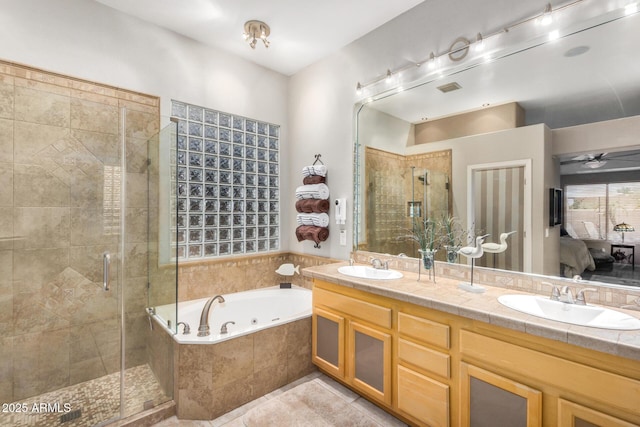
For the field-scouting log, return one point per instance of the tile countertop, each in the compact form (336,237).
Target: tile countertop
(445,296)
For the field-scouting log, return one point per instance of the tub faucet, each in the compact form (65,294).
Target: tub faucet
(203,329)
(223,329)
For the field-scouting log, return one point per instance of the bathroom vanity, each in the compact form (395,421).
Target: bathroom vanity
(434,355)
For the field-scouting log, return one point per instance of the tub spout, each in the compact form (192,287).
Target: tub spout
(203,329)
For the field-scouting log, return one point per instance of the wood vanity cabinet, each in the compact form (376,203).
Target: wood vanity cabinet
(436,369)
(351,340)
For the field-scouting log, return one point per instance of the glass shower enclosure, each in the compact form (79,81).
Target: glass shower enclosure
(78,255)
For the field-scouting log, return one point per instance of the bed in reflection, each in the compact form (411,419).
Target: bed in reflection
(576,257)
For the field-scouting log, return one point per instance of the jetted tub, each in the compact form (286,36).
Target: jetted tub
(250,310)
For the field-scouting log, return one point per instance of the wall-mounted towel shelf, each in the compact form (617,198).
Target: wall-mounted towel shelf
(313,204)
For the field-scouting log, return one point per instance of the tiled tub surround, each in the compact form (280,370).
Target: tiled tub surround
(445,296)
(211,380)
(214,379)
(59,152)
(248,312)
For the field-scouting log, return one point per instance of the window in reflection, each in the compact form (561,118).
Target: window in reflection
(593,210)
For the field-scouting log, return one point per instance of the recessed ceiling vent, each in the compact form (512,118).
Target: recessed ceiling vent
(449,87)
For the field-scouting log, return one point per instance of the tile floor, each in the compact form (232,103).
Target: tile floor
(93,401)
(367,413)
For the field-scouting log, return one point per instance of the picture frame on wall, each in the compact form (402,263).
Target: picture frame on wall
(555,207)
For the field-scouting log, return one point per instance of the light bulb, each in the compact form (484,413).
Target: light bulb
(432,61)
(553,35)
(359,89)
(479,43)
(546,19)
(631,8)
(388,75)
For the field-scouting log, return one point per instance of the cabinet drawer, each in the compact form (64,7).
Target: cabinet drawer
(422,398)
(424,358)
(424,330)
(371,313)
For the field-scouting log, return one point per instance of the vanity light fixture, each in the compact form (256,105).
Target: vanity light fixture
(457,51)
(254,31)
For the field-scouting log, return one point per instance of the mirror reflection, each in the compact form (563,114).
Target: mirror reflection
(501,137)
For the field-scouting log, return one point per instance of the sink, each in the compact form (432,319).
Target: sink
(583,315)
(366,272)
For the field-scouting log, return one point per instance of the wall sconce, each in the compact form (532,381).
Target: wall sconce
(254,31)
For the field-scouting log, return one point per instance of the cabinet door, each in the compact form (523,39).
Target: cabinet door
(423,398)
(370,361)
(573,415)
(328,342)
(487,398)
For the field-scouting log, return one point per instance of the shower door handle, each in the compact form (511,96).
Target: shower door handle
(106,270)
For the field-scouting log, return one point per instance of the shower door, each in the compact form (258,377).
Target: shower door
(62,209)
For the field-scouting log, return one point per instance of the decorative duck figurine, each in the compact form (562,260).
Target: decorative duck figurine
(495,248)
(473,252)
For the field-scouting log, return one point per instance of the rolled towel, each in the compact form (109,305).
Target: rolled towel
(312,205)
(314,179)
(314,170)
(313,191)
(311,232)
(317,219)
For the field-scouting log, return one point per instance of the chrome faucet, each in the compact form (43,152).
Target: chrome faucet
(379,265)
(566,295)
(580,298)
(223,329)
(203,329)
(186,328)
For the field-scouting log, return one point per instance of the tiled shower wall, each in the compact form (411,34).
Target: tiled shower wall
(59,177)
(387,190)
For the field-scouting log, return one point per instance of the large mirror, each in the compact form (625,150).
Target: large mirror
(544,142)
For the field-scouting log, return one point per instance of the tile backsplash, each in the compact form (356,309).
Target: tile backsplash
(609,295)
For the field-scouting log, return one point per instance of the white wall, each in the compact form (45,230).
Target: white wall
(322,96)
(514,144)
(85,39)
(315,107)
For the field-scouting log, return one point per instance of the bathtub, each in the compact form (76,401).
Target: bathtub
(250,310)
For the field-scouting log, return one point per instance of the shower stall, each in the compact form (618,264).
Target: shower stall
(79,232)
(399,198)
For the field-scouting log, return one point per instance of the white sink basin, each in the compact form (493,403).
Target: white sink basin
(365,272)
(584,315)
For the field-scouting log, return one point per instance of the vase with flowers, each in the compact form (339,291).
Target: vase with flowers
(452,237)
(424,233)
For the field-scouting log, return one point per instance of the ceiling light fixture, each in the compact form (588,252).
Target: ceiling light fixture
(631,8)
(254,31)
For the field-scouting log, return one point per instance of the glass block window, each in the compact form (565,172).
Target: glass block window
(225,193)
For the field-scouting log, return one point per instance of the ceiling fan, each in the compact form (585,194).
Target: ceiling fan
(595,161)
